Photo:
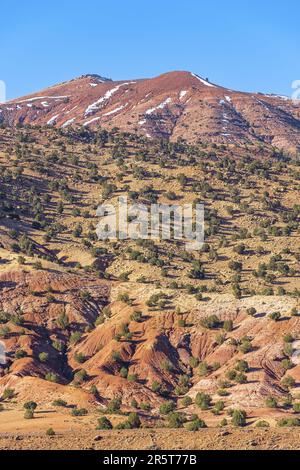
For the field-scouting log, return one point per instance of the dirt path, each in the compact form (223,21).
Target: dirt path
(149,439)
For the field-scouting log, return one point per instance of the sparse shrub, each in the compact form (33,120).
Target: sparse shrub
(296,407)
(271,402)
(134,420)
(242,366)
(145,406)
(288,382)
(186,401)
(245,346)
(203,400)
(251,311)
(79,357)
(114,405)
(262,424)
(239,418)
(51,377)
(288,422)
(43,357)
(104,423)
(75,337)
(194,362)
(79,412)
(30,405)
(8,394)
(228,325)
(275,316)
(211,322)
(203,369)
(167,407)
(175,420)
(195,425)
(60,402)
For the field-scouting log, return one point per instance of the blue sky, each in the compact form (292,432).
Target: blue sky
(250,45)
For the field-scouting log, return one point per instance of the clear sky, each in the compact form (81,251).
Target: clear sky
(246,45)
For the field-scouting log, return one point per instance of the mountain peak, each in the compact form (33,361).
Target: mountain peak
(95,76)
(176,104)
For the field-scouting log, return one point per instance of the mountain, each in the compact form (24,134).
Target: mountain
(136,328)
(173,105)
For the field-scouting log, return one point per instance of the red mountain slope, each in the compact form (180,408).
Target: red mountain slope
(172,105)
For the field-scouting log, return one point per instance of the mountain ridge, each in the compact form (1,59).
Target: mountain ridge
(178,104)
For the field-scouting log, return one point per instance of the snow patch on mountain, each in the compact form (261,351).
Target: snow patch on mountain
(91,120)
(115,110)
(67,123)
(52,120)
(205,82)
(43,98)
(182,94)
(92,108)
(160,106)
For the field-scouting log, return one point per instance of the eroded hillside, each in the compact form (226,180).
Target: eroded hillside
(145,321)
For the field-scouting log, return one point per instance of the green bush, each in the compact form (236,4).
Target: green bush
(50,432)
(262,424)
(228,325)
(288,382)
(134,420)
(79,412)
(167,407)
(194,362)
(242,366)
(288,422)
(114,405)
(203,400)
(211,322)
(60,402)
(43,357)
(275,316)
(296,407)
(271,402)
(104,423)
(176,420)
(8,394)
(195,425)
(30,405)
(186,401)
(239,418)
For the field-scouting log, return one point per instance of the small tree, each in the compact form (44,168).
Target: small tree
(114,405)
(104,423)
(30,405)
(134,420)
(8,394)
(186,401)
(239,418)
(175,420)
(43,357)
(275,316)
(271,402)
(167,407)
(196,424)
(203,400)
(288,382)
